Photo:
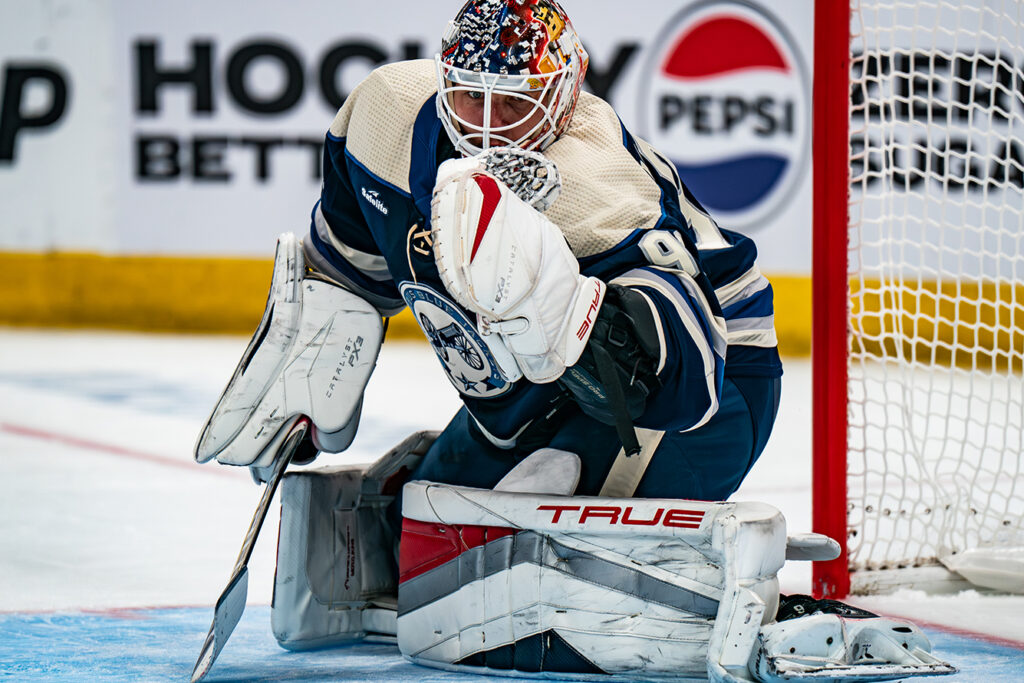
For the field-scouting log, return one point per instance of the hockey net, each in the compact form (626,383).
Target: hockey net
(931,273)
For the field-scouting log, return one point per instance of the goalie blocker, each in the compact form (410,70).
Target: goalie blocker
(312,354)
(544,584)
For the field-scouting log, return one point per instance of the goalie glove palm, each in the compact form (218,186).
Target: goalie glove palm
(506,262)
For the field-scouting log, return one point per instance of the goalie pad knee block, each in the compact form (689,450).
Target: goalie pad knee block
(336,576)
(312,355)
(519,583)
(523,583)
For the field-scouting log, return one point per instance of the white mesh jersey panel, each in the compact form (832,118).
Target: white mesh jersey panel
(606,194)
(378,117)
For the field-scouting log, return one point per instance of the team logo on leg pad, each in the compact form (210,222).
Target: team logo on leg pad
(462,351)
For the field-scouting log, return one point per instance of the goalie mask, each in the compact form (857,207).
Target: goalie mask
(509,73)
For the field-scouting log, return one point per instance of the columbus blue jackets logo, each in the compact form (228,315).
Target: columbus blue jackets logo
(726,97)
(458,345)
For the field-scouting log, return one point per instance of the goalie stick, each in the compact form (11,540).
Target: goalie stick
(231,603)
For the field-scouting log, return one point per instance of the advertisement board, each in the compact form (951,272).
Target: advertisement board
(194,129)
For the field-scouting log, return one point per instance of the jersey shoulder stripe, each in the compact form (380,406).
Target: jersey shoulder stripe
(377,118)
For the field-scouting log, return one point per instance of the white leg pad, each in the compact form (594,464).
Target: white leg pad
(514,583)
(336,567)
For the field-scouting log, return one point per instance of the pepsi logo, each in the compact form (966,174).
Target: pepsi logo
(726,97)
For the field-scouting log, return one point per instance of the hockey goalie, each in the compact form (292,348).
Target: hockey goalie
(615,353)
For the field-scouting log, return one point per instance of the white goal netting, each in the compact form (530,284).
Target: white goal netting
(936,264)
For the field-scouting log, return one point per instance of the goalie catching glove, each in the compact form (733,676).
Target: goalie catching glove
(503,260)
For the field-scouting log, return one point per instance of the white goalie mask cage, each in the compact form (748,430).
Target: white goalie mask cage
(526,51)
(551,99)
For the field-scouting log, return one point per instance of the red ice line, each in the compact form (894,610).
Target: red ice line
(108,449)
(127,612)
(966,633)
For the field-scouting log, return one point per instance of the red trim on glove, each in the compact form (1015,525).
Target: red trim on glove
(492,195)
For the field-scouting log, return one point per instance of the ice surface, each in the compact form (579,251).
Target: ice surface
(105,516)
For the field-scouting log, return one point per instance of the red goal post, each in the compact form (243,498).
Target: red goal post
(830,294)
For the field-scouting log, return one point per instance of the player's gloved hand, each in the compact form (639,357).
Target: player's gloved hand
(620,362)
(312,355)
(502,259)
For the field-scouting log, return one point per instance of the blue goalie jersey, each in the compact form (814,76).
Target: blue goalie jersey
(623,210)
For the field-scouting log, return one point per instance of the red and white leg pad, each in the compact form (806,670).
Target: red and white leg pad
(516,582)
(513,582)
(505,582)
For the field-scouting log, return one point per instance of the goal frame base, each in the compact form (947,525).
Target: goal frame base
(933,579)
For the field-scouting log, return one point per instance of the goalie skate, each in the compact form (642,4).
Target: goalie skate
(833,647)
